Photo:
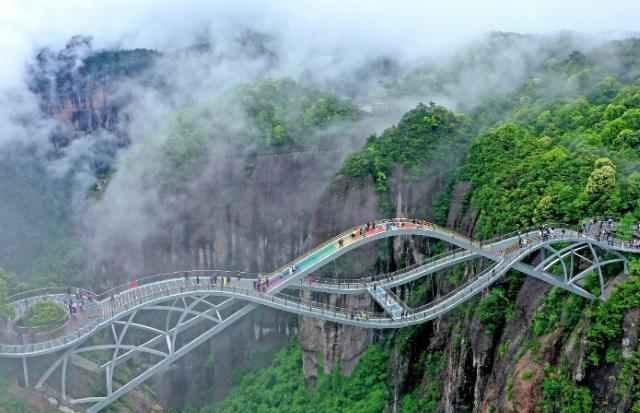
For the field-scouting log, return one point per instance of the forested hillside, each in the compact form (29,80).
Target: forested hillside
(564,147)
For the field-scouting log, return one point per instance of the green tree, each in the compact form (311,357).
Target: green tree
(544,209)
(627,138)
(278,136)
(602,180)
(493,309)
(43,313)
(6,311)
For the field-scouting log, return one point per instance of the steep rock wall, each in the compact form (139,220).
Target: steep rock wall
(243,213)
(347,203)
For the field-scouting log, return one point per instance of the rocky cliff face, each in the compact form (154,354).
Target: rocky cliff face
(249,213)
(478,370)
(255,224)
(345,204)
(80,88)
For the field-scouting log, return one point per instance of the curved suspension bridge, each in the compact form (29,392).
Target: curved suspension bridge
(161,318)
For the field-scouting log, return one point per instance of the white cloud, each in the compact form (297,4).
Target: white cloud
(330,38)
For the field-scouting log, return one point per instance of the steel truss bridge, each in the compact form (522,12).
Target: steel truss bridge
(163,317)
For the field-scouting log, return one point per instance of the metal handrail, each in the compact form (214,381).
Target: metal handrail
(150,279)
(136,296)
(44,328)
(280,272)
(364,280)
(46,291)
(508,259)
(397,299)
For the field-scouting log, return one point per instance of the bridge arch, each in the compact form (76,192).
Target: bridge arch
(239,297)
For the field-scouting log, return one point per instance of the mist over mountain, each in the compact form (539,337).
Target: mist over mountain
(157,137)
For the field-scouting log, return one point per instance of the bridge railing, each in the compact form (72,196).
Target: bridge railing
(41,294)
(397,299)
(317,248)
(312,305)
(364,280)
(526,231)
(128,301)
(140,296)
(512,234)
(612,241)
(291,301)
(355,282)
(151,279)
(493,271)
(49,344)
(278,274)
(452,293)
(43,328)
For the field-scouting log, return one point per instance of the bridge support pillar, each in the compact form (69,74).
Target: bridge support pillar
(25,371)
(63,384)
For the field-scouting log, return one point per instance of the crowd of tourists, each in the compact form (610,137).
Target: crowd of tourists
(601,230)
(76,302)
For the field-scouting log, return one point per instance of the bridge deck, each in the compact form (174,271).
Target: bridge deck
(388,301)
(120,306)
